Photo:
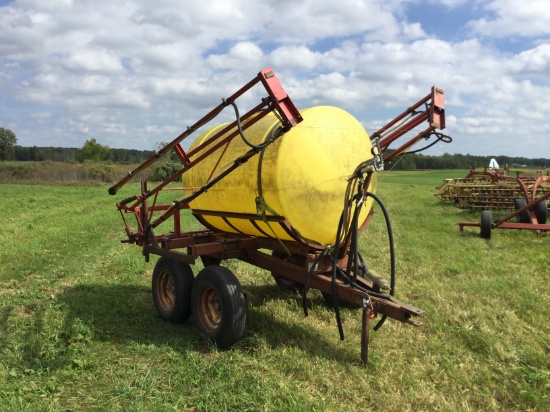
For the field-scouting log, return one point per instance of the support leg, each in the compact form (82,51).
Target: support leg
(367,315)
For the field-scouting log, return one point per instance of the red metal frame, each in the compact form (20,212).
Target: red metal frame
(488,173)
(434,113)
(186,246)
(531,202)
(277,100)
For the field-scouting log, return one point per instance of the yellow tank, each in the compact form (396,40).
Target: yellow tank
(303,175)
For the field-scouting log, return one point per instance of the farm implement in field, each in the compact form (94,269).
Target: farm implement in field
(494,189)
(269,189)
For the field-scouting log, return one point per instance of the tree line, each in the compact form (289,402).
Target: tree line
(95,152)
(91,150)
(461,161)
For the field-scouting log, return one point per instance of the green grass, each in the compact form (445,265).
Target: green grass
(79,331)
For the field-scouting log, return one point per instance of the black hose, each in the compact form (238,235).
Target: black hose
(440,137)
(392,253)
(354,258)
(336,251)
(352,254)
(334,268)
(355,240)
(306,285)
(241,133)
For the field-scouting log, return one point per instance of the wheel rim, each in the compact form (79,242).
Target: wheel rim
(209,308)
(166,290)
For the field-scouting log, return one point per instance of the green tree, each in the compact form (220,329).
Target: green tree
(167,165)
(171,156)
(7,143)
(93,151)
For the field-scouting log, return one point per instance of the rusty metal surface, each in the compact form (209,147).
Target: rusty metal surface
(505,222)
(247,248)
(365,331)
(493,189)
(434,113)
(322,281)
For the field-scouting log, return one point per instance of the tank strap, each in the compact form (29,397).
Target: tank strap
(262,207)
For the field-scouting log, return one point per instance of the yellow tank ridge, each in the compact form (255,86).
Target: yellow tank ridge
(302,175)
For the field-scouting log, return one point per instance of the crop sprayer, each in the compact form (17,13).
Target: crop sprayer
(285,190)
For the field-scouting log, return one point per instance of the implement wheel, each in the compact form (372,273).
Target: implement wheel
(523,217)
(172,285)
(219,308)
(486,224)
(541,211)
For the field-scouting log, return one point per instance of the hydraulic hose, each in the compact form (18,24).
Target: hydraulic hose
(392,252)
(241,133)
(355,259)
(334,268)
(439,137)
(306,285)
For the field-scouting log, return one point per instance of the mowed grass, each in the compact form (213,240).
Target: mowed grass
(79,331)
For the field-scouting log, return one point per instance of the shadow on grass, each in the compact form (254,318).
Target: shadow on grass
(123,313)
(278,331)
(119,313)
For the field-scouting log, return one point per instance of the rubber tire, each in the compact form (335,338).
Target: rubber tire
(282,282)
(523,217)
(486,224)
(172,283)
(219,307)
(210,260)
(541,212)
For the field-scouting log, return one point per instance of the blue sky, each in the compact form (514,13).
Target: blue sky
(134,73)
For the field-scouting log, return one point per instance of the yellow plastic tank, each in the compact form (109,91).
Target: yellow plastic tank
(303,175)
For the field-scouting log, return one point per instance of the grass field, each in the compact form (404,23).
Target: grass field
(79,331)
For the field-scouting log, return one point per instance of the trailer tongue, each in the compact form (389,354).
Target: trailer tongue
(285,190)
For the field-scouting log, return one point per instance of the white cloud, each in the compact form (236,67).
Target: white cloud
(312,20)
(94,61)
(413,30)
(514,18)
(138,72)
(240,55)
(535,61)
(300,57)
